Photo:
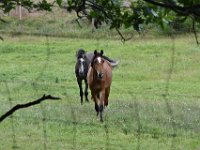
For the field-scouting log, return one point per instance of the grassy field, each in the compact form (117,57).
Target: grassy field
(154,103)
(60,23)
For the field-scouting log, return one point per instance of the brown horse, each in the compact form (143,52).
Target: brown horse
(99,79)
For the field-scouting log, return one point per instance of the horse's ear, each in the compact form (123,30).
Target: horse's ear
(101,52)
(95,52)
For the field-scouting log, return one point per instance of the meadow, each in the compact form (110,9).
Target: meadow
(154,101)
(154,104)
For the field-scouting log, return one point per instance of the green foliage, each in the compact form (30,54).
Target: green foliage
(116,14)
(59,2)
(43,5)
(137,13)
(8,5)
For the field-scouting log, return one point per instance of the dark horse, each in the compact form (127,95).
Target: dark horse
(99,79)
(81,69)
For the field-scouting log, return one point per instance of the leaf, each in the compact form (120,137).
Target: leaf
(1,38)
(165,21)
(153,13)
(44,5)
(59,2)
(93,14)
(164,24)
(182,19)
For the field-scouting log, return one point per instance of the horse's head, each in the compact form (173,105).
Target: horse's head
(82,64)
(97,64)
(80,53)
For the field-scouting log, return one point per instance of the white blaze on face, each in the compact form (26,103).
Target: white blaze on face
(81,69)
(99,72)
(99,59)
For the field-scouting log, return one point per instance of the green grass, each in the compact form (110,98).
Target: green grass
(139,115)
(60,23)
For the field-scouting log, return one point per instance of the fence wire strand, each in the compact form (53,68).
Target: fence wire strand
(34,85)
(139,126)
(166,93)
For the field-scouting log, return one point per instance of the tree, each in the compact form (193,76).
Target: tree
(120,13)
(8,5)
(136,13)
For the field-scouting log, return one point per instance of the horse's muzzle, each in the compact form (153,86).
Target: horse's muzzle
(100,75)
(81,74)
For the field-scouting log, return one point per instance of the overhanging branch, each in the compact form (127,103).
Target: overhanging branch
(183,10)
(20,106)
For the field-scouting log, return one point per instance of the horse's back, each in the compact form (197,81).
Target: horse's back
(89,56)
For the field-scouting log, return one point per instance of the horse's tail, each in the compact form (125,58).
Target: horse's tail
(113,63)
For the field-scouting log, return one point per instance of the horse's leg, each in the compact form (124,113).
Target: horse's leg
(97,108)
(81,89)
(107,92)
(86,91)
(101,112)
(94,97)
(101,105)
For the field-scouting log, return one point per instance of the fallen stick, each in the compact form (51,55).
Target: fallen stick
(20,106)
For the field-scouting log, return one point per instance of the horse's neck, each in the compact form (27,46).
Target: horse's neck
(94,74)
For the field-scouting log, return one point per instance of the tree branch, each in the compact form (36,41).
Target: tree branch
(20,106)
(195,32)
(123,39)
(99,8)
(183,10)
